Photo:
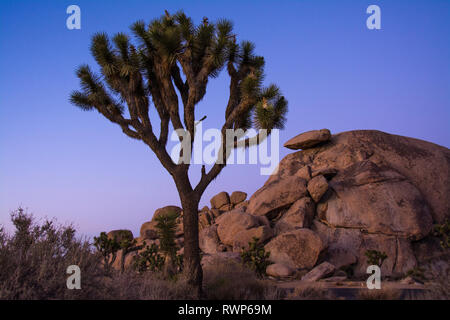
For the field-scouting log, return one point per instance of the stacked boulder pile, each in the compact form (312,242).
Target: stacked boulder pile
(329,203)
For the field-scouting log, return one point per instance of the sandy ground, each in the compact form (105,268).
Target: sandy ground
(351,289)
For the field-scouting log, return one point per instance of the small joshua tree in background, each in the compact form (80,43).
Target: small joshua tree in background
(108,249)
(109,246)
(166,225)
(148,259)
(127,245)
(375,257)
(255,257)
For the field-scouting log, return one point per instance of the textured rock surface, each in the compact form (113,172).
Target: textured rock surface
(238,197)
(276,195)
(378,200)
(321,271)
(212,260)
(219,200)
(296,249)
(425,165)
(166,210)
(209,240)
(279,270)
(237,228)
(299,215)
(317,187)
(308,139)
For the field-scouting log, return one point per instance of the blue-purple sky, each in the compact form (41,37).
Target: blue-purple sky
(58,161)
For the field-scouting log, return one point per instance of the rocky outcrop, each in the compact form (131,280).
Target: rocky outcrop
(425,165)
(330,203)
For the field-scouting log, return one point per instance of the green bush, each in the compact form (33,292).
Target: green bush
(166,226)
(148,259)
(255,257)
(375,257)
(442,231)
(108,248)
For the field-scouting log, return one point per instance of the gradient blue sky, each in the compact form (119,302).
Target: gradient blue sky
(58,161)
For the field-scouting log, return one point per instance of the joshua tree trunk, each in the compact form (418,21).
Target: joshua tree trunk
(192,267)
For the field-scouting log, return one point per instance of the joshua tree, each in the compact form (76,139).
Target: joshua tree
(166,225)
(173,59)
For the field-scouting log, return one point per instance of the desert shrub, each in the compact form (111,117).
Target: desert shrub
(35,257)
(232,281)
(148,286)
(375,257)
(255,257)
(148,259)
(442,231)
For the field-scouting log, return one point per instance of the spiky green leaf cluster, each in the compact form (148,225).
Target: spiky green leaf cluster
(171,52)
(166,226)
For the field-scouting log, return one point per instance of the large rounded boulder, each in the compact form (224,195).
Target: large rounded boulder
(298,249)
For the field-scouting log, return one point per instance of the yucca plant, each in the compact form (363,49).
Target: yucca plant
(171,60)
(166,226)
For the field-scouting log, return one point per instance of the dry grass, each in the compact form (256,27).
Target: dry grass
(232,281)
(147,286)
